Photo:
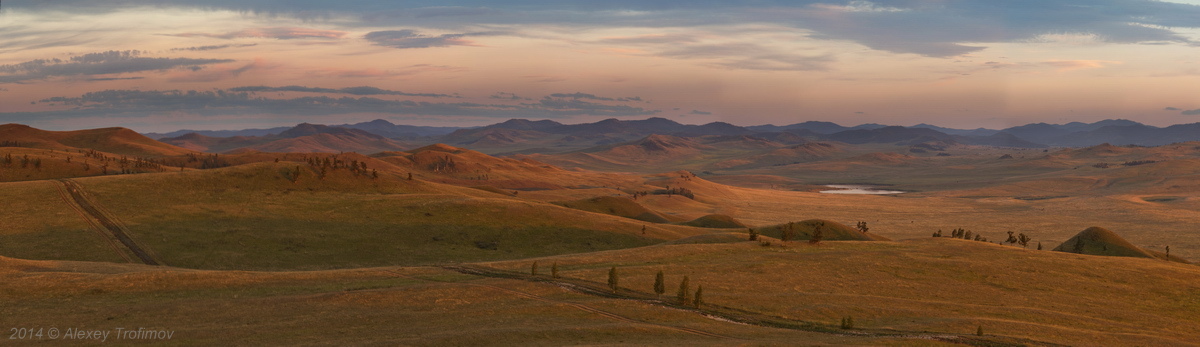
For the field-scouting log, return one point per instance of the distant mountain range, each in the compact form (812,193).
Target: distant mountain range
(547,136)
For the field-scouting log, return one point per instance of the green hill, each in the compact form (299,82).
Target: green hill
(831,231)
(1101,241)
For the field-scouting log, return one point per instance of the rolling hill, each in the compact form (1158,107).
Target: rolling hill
(119,141)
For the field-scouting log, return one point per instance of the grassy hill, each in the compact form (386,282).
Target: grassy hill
(254,217)
(617,206)
(830,230)
(119,141)
(931,285)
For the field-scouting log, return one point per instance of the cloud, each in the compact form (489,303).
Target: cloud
(362,90)
(411,39)
(212,47)
(1168,108)
(749,56)
(115,78)
(1191,112)
(925,27)
(699,112)
(378,73)
(221,73)
(507,96)
(226,102)
(92,64)
(280,33)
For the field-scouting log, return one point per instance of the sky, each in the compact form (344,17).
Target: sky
(208,65)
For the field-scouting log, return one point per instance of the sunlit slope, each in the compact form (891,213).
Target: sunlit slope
(39,223)
(119,141)
(459,166)
(254,217)
(938,285)
(361,307)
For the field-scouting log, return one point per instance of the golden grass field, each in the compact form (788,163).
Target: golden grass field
(270,250)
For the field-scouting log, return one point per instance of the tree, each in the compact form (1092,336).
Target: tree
(554,270)
(938,233)
(533,269)
(789,232)
(967,235)
(1011,238)
(753,234)
(1168,252)
(1039,246)
(862,226)
(1023,240)
(848,322)
(684,291)
(817,234)
(612,279)
(979,331)
(699,298)
(410,176)
(660,285)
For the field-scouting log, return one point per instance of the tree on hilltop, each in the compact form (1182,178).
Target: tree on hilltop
(1023,240)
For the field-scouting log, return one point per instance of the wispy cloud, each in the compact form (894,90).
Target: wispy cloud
(213,47)
(381,73)
(280,33)
(94,64)
(363,90)
(412,39)
(221,72)
(1191,112)
(579,95)
(222,102)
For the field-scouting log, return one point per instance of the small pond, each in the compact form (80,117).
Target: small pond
(858,189)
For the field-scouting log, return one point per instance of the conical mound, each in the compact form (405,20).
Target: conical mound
(1101,241)
(715,221)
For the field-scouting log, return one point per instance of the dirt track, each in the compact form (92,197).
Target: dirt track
(75,191)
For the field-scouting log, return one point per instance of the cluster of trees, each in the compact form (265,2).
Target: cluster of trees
(961,233)
(324,165)
(668,192)
(443,165)
(675,191)
(1020,239)
(25,161)
(1139,162)
(210,161)
(7,143)
(789,232)
(1013,238)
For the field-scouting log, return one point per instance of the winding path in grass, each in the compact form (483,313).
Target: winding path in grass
(579,306)
(736,315)
(75,191)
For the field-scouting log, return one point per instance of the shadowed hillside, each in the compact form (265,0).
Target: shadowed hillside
(830,230)
(1101,241)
